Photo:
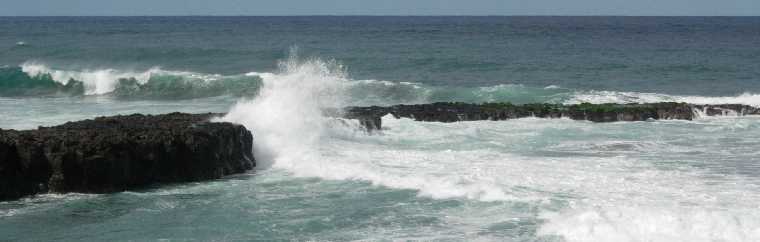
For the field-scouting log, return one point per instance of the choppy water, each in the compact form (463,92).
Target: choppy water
(516,180)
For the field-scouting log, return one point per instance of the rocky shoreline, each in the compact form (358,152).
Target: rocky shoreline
(111,154)
(370,117)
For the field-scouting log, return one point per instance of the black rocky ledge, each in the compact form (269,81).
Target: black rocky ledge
(111,154)
(370,117)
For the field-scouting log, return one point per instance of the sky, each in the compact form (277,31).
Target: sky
(379,7)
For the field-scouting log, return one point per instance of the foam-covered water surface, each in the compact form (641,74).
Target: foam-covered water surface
(474,180)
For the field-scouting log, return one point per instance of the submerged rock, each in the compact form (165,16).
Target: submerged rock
(111,154)
(453,112)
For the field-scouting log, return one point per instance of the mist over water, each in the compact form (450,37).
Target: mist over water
(322,178)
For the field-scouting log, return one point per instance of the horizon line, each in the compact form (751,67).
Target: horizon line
(382,15)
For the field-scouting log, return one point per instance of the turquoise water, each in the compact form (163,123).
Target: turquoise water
(323,179)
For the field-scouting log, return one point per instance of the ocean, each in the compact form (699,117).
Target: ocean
(526,179)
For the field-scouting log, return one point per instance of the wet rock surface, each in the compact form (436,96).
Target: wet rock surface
(111,154)
(453,112)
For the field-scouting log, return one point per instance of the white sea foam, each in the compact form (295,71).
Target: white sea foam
(610,192)
(652,223)
(613,198)
(639,97)
(745,98)
(263,75)
(616,198)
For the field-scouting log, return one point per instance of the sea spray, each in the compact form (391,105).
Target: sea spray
(292,134)
(286,116)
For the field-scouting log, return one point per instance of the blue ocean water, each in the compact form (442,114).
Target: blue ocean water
(518,180)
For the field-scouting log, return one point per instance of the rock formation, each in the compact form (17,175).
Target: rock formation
(111,154)
(453,112)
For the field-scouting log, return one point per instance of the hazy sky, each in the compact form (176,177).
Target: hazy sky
(380,7)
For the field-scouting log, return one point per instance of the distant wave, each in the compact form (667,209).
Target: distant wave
(15,82)
(371,92)
(36,79)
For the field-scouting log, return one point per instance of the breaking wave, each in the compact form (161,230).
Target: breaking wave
(602,198)
(35,79)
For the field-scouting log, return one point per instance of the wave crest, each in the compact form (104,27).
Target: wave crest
(35,79)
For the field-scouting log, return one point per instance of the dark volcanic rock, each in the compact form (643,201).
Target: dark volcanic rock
(727,109)
(111,154)
(452,112)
